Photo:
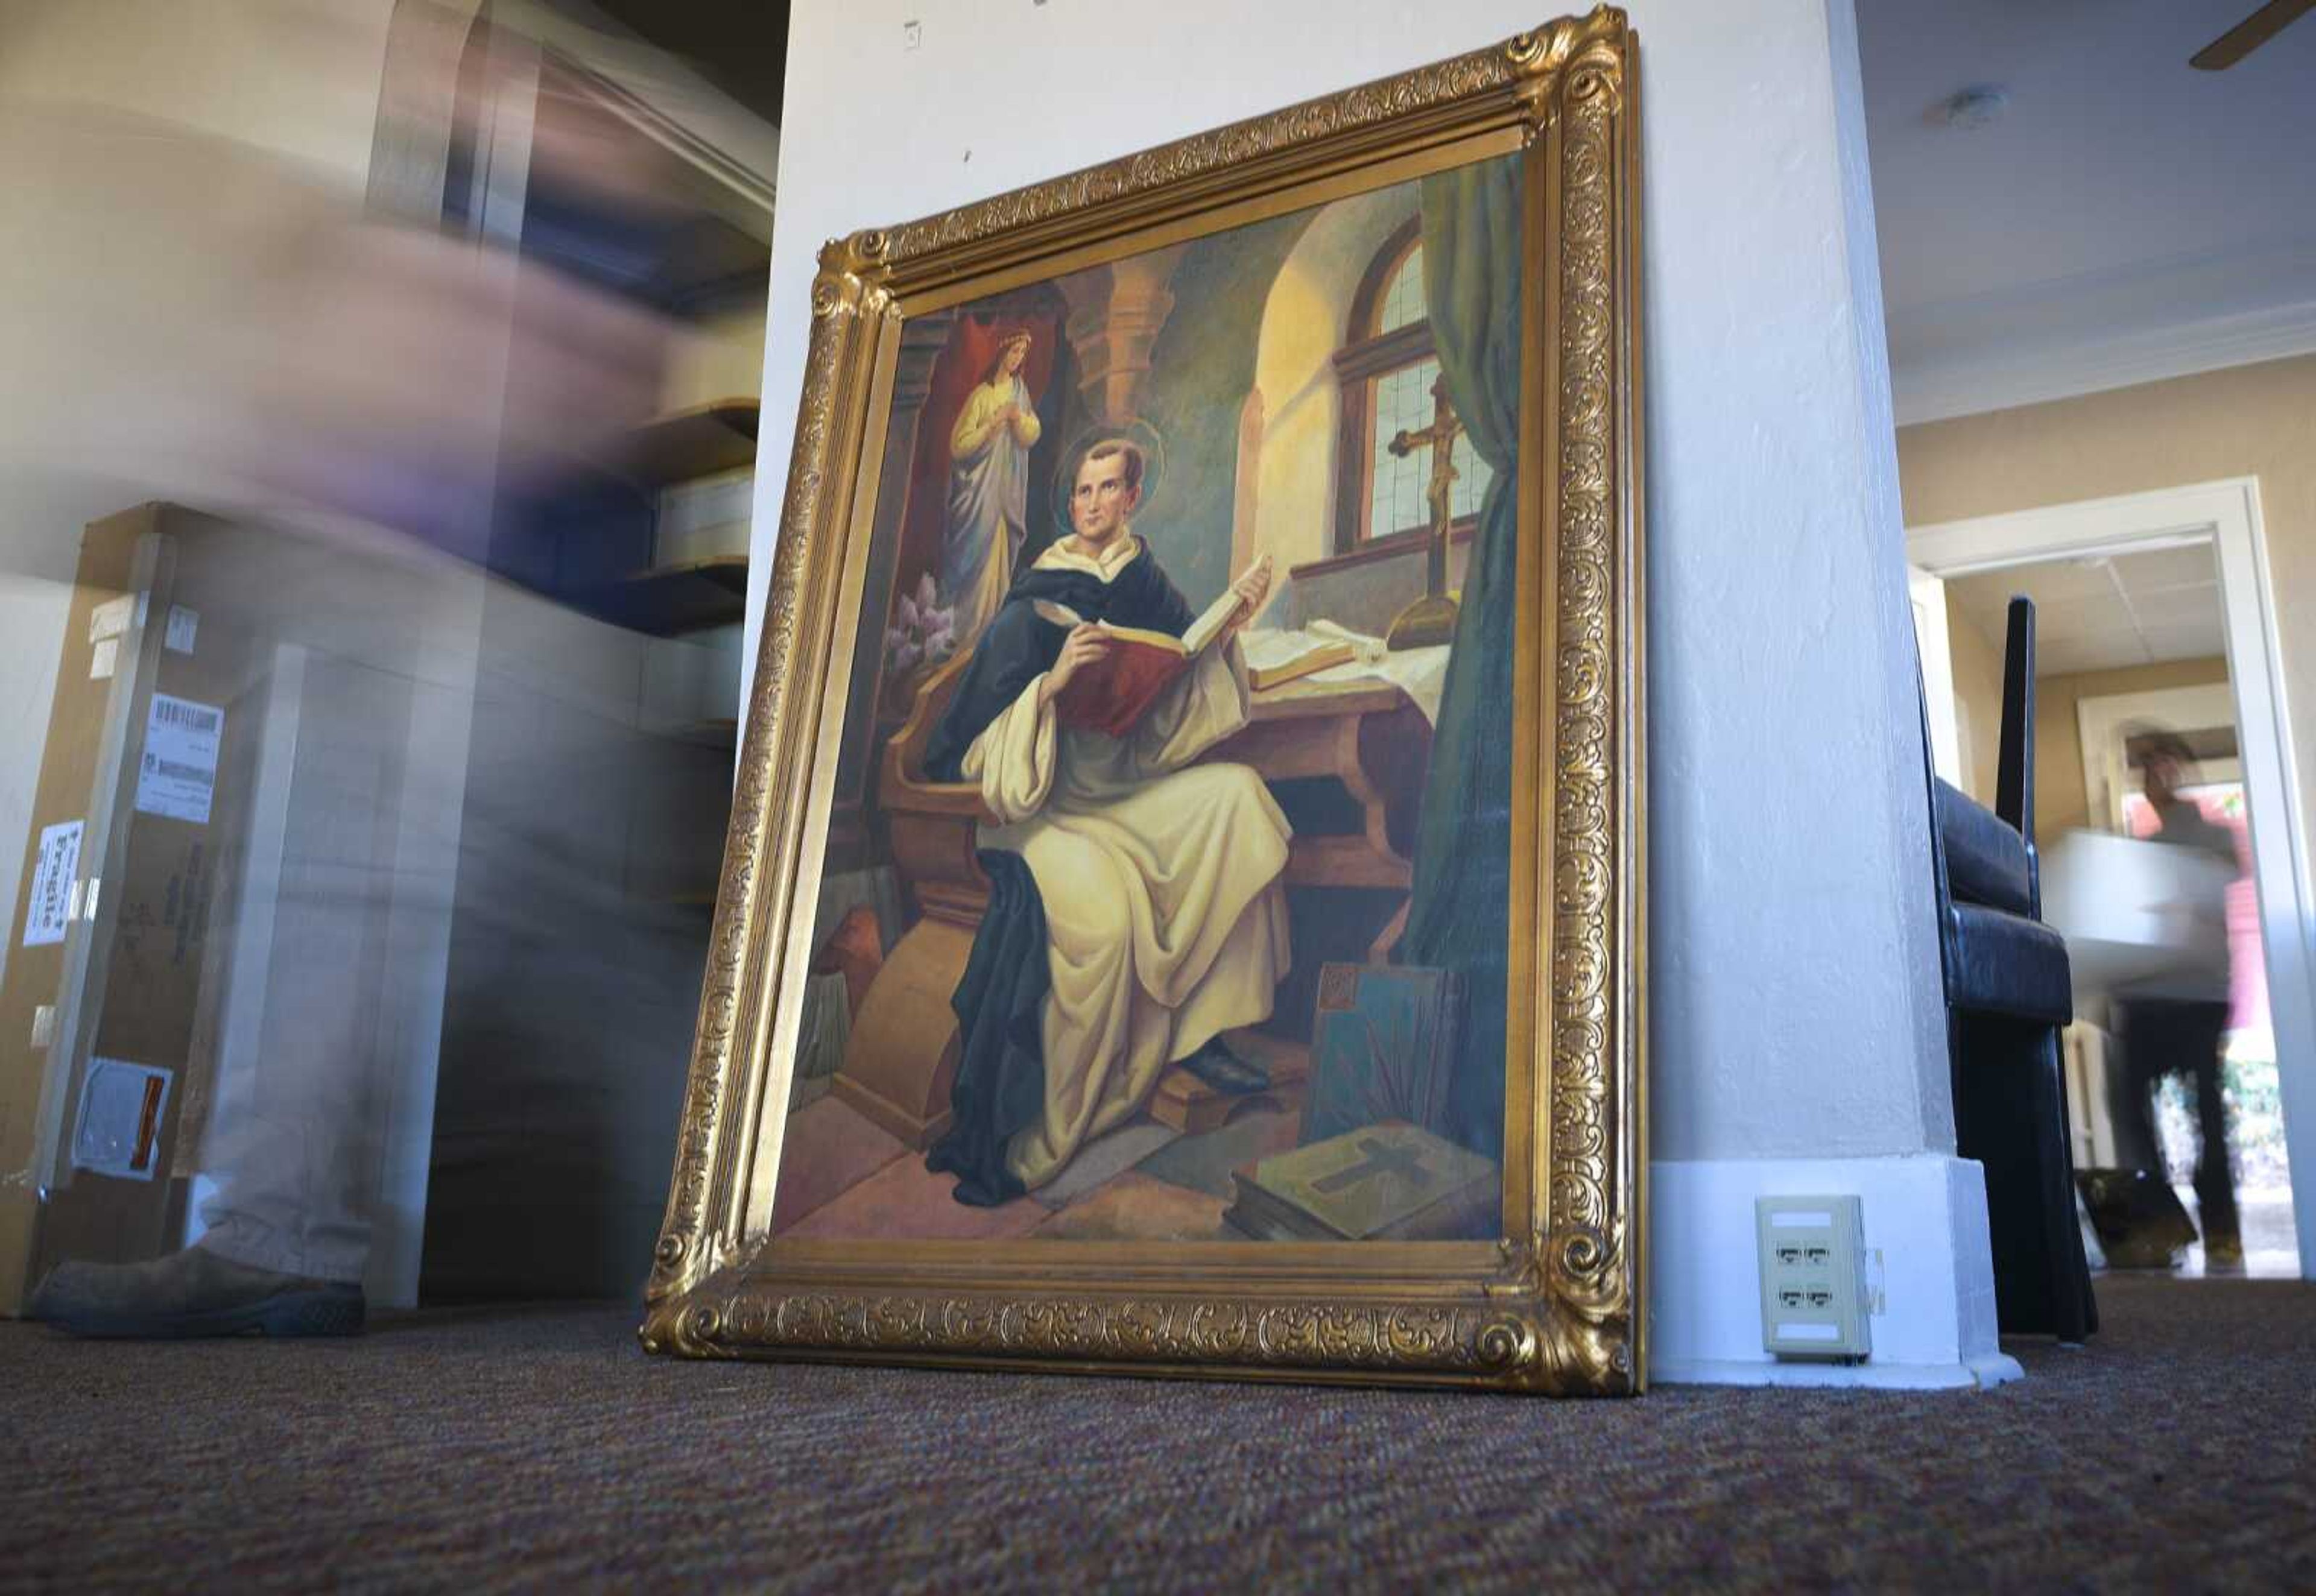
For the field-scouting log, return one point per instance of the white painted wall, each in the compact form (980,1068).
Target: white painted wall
(1794,975)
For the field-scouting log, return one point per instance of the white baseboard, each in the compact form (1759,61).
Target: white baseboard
(1925,1216)
(1977,1375)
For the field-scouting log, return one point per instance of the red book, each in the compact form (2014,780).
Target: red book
(1110,694)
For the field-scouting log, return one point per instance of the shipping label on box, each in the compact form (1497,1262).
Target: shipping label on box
(178,777)
(118,1131)
(50,910)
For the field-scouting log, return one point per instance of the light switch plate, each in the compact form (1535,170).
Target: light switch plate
(1812,1265)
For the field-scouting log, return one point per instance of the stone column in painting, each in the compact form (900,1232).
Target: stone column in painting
(1116,313)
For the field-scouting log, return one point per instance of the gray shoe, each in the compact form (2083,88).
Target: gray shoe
(193,1292)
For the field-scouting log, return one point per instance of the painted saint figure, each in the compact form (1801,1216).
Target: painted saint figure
(1137,911)
(988,490)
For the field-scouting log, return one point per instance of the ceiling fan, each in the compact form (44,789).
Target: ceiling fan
(2249,34)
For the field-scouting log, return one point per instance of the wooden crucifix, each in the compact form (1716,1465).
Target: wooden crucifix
(1431,620)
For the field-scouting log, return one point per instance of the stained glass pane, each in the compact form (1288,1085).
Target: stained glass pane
(1395,500)
(1402,403)
(1403,300)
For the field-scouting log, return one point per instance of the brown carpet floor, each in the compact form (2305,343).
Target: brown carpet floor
(489,1449)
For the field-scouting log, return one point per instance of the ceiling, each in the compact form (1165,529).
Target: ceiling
(2104,612)
(740,46)
(2124,219)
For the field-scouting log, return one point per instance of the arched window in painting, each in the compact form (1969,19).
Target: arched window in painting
(1388,370)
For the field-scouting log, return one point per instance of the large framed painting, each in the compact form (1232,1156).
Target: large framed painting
(1182,909)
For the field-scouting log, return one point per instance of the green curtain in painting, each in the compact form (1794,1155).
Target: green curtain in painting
(1461,915)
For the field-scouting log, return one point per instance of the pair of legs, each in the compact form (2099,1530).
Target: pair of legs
(2165,1037)
(294,1119)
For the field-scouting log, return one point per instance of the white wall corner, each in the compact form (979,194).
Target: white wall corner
(1910,818)
(1794,1004)
(1925,1216)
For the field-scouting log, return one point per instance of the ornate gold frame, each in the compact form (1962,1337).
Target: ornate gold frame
(1559,1305)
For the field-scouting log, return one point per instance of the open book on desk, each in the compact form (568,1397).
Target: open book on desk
(1274,658)
(1326,654)
(1110,694)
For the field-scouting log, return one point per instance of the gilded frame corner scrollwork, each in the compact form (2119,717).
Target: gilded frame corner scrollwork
(1558,1304)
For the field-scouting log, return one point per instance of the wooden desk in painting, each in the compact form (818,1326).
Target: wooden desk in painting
(1345,760)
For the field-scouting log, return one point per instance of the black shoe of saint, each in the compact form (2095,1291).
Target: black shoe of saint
(1225,1071)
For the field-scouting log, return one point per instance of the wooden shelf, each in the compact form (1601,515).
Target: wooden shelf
(689,596)
(708,262)
(691,443)
(669,600)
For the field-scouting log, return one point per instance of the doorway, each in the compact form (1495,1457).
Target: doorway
(2241,771)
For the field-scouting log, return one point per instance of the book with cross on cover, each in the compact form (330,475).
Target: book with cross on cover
(1387,1182)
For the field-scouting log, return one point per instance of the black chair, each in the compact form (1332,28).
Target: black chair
(2008,994)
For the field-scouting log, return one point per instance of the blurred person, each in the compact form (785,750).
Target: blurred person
(2176,1022)
(207,317)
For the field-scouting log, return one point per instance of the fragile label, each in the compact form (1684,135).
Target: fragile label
(51,911)
(184,625)
(119,1130)
(178,777)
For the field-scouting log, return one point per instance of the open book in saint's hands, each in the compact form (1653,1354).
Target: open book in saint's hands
(1110,694)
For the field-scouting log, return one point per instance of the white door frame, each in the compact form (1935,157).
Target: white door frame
(2226,516)
(1949,747)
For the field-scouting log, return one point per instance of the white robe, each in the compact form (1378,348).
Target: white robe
(988,503)
(1160,883)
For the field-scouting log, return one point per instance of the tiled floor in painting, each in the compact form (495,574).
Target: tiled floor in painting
(843,1178)
(829,1148)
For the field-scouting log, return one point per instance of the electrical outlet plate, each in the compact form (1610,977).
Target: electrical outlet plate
(1812,1262)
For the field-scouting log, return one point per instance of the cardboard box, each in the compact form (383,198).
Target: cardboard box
(107,1010)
